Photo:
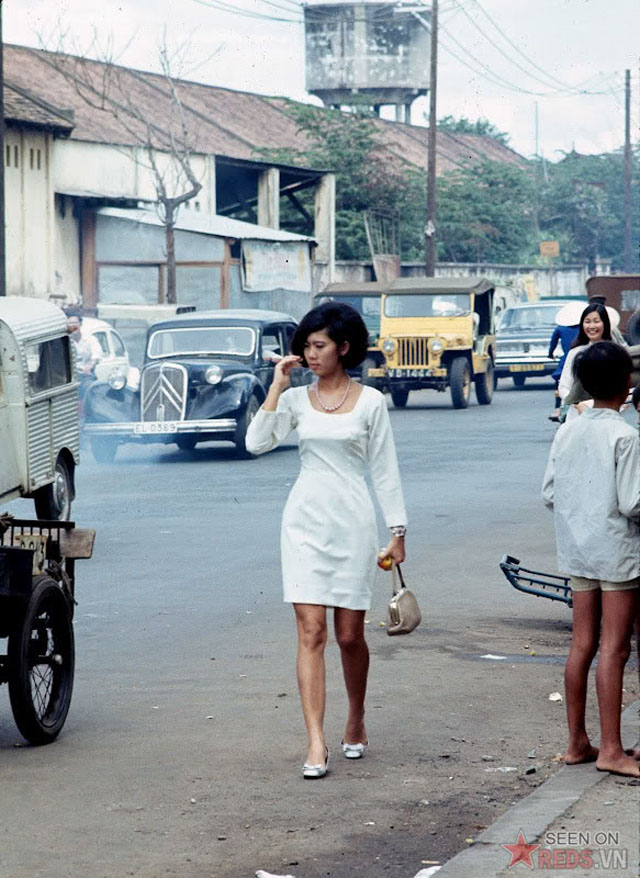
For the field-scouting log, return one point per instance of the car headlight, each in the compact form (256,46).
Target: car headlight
(435,345)
(117,380)
(213,375)
(388,345)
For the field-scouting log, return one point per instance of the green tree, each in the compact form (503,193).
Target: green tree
(485,214)
(582,205)
(368,177)
(466,126)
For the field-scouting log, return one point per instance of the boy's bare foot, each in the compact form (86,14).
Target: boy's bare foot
(624,765)
(580,755)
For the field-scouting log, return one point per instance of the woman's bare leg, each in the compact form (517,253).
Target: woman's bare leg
(584,645)
(312,638)
(349,628)
(618,610)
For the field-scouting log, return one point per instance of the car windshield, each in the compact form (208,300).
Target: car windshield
(428,305)
(201,340)
(368,307)
(542,317)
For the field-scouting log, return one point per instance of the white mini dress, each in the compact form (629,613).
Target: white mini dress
(329,537)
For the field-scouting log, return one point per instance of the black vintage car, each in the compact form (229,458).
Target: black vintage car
(204,377)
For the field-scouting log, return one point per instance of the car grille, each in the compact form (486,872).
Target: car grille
(413,352)
(163,392)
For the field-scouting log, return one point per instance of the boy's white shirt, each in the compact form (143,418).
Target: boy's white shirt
(592,483)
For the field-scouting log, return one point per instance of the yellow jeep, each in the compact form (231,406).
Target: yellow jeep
(438,333)
(365,297)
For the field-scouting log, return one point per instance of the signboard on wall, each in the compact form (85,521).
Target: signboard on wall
(549,248)
(273,265)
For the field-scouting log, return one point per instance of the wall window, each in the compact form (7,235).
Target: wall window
(31,159)
(7,160)
(38,159)
(49,364)
(15,156)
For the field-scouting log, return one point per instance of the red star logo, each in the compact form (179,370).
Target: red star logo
(521,851)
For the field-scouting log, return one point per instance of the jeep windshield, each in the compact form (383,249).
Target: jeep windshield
(541,317)
(368,307)
(201,341)
(428,305)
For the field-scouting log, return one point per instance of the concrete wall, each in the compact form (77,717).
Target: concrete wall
(28,212)
(538,281)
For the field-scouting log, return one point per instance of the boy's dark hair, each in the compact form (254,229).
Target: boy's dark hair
(342,323)
(604,369)
(635,397)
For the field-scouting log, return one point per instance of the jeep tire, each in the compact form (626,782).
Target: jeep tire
(460,382)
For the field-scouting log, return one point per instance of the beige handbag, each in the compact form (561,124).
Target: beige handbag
(403,613)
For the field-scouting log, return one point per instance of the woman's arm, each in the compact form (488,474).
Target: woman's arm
(275,419)
(385,475)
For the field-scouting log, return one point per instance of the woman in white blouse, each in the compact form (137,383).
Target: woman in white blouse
(329,535)
(594,326)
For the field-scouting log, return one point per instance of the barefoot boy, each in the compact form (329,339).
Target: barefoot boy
(592,483)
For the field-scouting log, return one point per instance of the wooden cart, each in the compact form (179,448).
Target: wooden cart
(37,582)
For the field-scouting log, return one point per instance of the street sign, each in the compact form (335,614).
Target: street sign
(549,248)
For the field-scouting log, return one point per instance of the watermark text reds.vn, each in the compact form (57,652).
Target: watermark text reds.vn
(570,851)
(582,850)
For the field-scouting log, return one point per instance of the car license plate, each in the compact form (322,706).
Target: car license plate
(527,367)
(146,427)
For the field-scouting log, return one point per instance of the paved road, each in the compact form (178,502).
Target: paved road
(182,750)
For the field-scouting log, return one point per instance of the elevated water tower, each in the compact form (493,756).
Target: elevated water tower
(376,53)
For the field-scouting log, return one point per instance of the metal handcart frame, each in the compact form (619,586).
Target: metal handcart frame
(535,582)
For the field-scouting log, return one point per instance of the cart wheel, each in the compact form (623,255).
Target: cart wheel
(41,659)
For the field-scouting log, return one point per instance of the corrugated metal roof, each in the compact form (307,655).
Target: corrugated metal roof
(31,318)
(221,226)
(220,121)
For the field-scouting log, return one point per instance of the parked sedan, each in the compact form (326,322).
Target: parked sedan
(523,338)
(203,378)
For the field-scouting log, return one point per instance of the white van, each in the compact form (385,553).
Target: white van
(39,436)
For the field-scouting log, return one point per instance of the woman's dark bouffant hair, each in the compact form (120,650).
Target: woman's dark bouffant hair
(582,337)
(342,323)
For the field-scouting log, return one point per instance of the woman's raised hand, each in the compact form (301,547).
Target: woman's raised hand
(282,371)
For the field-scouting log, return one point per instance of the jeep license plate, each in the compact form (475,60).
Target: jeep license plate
(527,367)
(157,427)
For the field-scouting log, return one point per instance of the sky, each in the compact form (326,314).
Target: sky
(503,60)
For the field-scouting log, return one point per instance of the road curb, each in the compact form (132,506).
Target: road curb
(534,814)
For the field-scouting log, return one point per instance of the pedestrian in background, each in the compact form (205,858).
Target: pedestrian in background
(329,534)
(592,483)
(565,333)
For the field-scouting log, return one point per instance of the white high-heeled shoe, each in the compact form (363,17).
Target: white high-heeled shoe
(312,772)
(354,751)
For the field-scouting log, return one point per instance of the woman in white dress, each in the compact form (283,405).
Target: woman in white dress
(329,535)
(594,326)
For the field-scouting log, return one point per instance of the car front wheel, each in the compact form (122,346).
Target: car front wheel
(243,425)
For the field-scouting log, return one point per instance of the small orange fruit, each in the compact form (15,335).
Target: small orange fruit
(384,561)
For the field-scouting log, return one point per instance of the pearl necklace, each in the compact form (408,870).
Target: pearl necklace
(332,408)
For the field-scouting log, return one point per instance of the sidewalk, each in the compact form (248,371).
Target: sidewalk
(581,821)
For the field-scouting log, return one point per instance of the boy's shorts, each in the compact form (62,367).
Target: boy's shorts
(579,583)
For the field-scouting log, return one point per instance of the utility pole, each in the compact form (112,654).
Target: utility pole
(627,259)
(430,230)
(3,286)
